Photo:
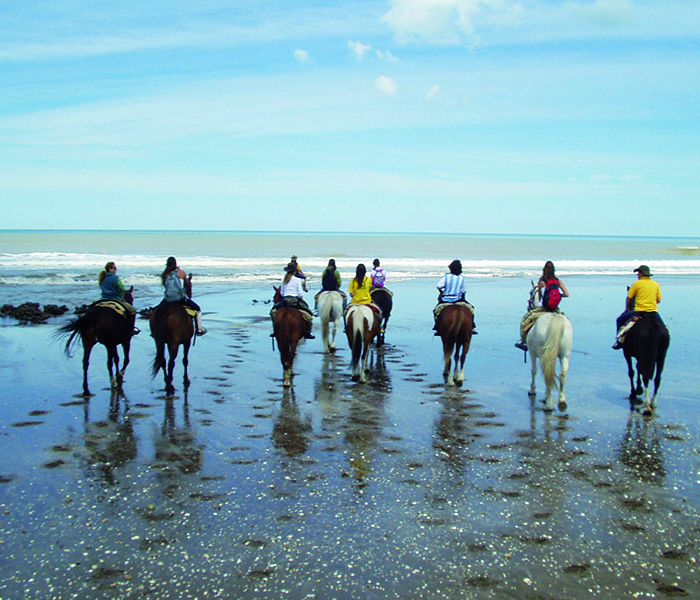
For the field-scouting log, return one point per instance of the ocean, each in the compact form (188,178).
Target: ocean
(53,266)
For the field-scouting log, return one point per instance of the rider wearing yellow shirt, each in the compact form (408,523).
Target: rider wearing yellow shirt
(360,286)
(642,298)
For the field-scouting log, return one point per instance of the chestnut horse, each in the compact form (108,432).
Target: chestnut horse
(289,326)
(105,325)
(362,325)
(171,325)
(455,324)
(648,342)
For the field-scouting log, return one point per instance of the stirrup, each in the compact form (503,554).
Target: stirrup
(521,345)
(136,331)
(201,331)
(617,345)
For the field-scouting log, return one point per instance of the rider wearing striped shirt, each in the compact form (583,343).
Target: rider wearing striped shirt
(452,288)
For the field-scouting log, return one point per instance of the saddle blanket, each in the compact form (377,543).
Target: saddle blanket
(190,311)
(114,305)
(371,305)
(440,307)
(625,329)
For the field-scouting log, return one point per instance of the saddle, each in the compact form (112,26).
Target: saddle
(294,302)
(377,311)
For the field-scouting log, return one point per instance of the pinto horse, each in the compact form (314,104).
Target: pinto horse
(171,325)
(330,309)
(105,325)
(455,324)
(362,325)
(289,326)
(384,300)
(648,342)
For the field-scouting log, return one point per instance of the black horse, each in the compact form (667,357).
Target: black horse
(647,342)
(384,300)
(105,325)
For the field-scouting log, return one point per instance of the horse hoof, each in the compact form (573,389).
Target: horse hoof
(561,406)
(647,412)
(531,394)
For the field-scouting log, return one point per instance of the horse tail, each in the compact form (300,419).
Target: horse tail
(550,352)
(72,329)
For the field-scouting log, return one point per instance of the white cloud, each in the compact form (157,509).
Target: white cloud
(386,85)
(386,55)
(302,56)
(359,49)
(437,21)
(604,13)
(432,93)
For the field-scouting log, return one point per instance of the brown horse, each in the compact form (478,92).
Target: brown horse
(455,324)
(289,326)
(105,325)
(171,326)
(362,325)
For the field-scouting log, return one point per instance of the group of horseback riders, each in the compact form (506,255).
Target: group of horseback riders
(177,288)
(291,291)
(642,300)
(642,297)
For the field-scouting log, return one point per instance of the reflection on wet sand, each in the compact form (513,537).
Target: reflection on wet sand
(640,449)
(111,443)
(290,430)
(176,448)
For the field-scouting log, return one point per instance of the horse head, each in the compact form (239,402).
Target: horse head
(278,294)
(128,295)
(532,300)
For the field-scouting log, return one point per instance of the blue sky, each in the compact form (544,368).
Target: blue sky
(474,116)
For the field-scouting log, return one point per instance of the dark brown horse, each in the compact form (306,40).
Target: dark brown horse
(105,325)
(385,301)
(455,324)
(648,342)
(289,326)
(171,326)
(361,327)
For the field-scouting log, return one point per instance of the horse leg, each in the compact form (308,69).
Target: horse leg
(533,369)
(364,363)
(289,365)
(630,374)
(336,326)
(460,356)
(113,362)
(127,347)
(562,380)
(185,362)
(87,348)
(172,355)
(325,326)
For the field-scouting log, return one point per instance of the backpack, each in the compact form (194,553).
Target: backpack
(378,277)
(552,294)
(174,291)
(329,282)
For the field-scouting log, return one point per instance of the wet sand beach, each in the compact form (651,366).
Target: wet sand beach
(398,488)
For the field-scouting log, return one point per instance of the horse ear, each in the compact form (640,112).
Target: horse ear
(131,289)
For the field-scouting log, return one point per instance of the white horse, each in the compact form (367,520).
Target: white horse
(550,338)
(361,326)
(330,309)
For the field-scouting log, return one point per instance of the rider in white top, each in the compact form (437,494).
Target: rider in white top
(452,287)
(294,288)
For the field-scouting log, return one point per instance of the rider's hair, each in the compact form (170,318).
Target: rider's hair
(170,266)
(360,273)
(103,273)
(375,262)
(456,267)
(548,271)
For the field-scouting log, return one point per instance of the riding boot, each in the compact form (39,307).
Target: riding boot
(132,321)
(308,335)
(200,329)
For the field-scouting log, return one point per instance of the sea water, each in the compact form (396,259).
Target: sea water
(62,266)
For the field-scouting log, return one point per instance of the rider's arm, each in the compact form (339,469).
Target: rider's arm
(120,287)
(565,292)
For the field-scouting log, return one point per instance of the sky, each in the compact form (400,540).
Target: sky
(456,116)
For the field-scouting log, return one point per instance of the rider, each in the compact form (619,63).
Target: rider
(453,288)
(330,281)
(298,273)
(178,288)
(642,299)
(378,275)
(112,288)
(360,286)
(548,277)
(292,288)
